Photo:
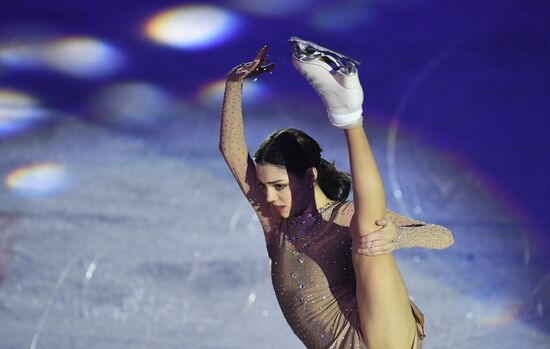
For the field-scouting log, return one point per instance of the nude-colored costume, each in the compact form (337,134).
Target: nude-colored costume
(311,267)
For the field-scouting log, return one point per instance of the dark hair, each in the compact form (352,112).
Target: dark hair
(296,151)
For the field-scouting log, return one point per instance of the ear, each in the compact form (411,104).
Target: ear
(312,172)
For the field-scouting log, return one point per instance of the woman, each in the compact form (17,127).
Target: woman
(334,276)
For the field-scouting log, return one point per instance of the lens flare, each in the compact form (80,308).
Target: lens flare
(501,314)
(18,111)
(192,26)
(81,57)
(38,179)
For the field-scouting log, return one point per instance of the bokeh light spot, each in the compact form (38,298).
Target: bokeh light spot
(81,57)
(18,111)
(132,103)
(38,179)
(212,93)
(192,26)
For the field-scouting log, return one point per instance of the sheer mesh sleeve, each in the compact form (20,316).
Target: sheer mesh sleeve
(411,232)
(235,153)
(414,233)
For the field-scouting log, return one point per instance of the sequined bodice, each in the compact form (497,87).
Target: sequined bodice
(313,278)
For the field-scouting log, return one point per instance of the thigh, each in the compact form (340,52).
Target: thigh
(383,302)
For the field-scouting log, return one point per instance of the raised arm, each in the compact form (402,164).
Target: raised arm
(232,144)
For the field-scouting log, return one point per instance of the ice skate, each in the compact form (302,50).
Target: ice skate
(335,78)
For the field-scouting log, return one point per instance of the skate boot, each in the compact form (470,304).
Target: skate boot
(334,77)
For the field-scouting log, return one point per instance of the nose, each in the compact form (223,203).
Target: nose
(270,195)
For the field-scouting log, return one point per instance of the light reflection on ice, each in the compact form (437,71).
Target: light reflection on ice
(251,298)
(90,271)
(38,179)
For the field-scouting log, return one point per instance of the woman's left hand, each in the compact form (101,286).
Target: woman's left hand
(252,69)
(381,241)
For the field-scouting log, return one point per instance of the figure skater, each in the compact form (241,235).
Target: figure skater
(332,269)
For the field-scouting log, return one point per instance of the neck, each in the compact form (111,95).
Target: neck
(321,199)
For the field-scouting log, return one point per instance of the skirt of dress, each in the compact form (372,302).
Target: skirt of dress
(420,334)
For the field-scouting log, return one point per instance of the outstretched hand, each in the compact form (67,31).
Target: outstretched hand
(251,69)
(381,241)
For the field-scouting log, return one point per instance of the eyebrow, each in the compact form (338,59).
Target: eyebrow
(273,182)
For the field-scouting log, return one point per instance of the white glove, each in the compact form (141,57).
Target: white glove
(338,85)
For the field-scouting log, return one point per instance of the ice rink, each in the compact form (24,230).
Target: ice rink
(121,226)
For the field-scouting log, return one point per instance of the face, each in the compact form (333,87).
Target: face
(289,193)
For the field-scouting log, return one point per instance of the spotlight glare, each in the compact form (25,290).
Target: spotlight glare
(192,26)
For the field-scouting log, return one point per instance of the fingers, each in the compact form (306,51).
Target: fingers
(376,248)
(262,64)
(387,232)
(260,59)
(382,222)
(377,235)
(253,68)
(376,243)
(257,70)
(266,68)
(261,54)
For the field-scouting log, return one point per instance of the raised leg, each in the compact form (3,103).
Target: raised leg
(387,320)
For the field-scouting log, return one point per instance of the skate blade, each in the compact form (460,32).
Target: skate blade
(307,51)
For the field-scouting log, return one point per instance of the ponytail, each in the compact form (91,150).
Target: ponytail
(335,184)
(296,151)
